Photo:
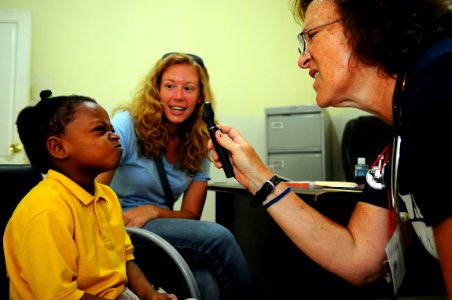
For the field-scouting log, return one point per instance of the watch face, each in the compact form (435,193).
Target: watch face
(271,184)
(275,180)
(267,188)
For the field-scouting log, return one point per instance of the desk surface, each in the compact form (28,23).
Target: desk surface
(312,192)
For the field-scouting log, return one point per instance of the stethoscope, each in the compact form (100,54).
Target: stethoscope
(375,176)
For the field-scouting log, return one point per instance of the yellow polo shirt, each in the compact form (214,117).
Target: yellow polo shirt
(61,242)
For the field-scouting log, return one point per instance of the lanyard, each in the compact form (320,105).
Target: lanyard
(375,178)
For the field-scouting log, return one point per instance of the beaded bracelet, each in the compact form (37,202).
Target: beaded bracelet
(277,198)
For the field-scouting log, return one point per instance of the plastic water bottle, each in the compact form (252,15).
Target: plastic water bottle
(361,169)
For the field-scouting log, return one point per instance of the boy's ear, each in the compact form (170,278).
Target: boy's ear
(56,148)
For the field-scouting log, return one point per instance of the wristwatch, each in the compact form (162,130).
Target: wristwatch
(267,188)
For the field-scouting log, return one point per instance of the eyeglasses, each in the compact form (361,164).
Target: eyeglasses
(195,58)
(304,37)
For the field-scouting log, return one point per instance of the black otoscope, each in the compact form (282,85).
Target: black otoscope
(208,118)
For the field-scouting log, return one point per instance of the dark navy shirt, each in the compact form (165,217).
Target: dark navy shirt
(426,131)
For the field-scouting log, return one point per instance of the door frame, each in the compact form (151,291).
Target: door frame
(15,52)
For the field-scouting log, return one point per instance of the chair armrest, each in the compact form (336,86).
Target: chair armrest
(174,254)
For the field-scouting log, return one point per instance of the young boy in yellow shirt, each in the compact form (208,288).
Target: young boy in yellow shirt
(66,239)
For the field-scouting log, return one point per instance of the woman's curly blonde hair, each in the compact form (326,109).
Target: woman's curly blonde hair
(151,126)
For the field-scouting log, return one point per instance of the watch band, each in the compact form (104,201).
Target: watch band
(267,188)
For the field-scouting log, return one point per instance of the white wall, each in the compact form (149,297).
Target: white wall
(102,48)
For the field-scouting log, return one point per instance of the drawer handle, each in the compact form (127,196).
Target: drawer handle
(278,164)
(277,125)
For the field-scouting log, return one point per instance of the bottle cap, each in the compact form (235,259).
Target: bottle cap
(361,160)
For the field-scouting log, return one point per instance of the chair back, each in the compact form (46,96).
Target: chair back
(15,182)
(364,136)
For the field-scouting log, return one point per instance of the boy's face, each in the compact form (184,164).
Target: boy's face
(89,142)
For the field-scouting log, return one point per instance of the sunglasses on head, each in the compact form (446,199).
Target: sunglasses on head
(196,58)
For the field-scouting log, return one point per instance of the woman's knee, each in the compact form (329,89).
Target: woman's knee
(222,234)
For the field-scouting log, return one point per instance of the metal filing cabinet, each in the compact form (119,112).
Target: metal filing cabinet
(298,142)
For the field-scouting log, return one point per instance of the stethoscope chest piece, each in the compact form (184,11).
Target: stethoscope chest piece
(374,177)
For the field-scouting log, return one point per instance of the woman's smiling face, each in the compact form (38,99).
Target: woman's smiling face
(179,92)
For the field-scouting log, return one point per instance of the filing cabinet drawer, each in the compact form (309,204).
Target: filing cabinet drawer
(297,132)
(298,166)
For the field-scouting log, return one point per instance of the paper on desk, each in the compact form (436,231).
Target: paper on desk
(323,184)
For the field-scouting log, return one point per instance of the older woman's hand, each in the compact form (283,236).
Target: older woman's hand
(250,171)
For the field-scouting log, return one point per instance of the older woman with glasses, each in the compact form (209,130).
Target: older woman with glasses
(390,58)
(162,130)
